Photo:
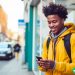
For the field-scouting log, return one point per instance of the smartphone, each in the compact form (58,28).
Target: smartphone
(38,57)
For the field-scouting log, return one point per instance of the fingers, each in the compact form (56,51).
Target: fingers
(46,64)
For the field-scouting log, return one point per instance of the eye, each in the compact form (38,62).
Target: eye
(54,21)
(49,22)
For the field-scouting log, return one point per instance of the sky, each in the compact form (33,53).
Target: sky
(14,10)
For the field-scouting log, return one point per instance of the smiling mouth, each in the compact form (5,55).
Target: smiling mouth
(53,30)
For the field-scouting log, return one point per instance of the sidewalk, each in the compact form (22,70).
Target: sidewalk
(15,67)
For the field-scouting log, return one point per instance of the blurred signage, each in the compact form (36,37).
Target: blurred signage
(21,22)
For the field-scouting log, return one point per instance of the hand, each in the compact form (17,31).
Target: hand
(46,64)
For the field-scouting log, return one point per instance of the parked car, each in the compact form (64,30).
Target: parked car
(6,50)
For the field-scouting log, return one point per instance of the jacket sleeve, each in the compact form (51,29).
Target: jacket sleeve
(68,67)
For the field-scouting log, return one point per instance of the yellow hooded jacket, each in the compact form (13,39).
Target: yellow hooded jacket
(62,66)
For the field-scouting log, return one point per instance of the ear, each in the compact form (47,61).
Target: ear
(62,21)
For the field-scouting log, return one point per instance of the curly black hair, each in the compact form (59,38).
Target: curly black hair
(55,9)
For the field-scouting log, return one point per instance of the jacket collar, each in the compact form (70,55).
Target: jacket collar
(55,36)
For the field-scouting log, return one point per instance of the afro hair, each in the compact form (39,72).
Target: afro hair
(55,9)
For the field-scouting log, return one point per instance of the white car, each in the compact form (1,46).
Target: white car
(6,50)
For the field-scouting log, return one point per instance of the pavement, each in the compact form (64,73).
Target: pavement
(14,67)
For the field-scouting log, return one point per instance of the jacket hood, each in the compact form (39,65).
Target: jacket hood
(70,29)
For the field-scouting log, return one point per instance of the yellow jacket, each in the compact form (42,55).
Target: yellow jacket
(62,66)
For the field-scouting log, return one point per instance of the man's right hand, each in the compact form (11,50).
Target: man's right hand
(46,64)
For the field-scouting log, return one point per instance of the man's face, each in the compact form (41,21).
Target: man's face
(55,23)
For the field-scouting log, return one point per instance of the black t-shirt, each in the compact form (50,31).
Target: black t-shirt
(17,47)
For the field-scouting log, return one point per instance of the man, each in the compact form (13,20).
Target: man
(55,60)
(17,49)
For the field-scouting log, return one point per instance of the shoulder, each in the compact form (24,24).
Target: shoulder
(45,40)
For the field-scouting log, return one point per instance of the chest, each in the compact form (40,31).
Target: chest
(57,51)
